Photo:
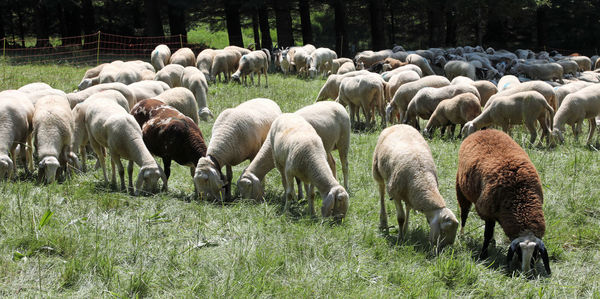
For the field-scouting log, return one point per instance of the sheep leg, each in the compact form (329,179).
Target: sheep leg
(228,183)
(531,127)
(113,181)
(577,130)
(100,154)
(299,183)
(117,160)
(130,175)
(352,121)
(167,167)
(452,128)
(402,221)
(592,123)
(266,82)
(310,194)
(289,192)
(487,237)
(465,207)
(83,154)
(192,172)
(29,155)
(383,223)
(331,163)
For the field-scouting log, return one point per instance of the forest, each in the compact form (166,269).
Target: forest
(346,26)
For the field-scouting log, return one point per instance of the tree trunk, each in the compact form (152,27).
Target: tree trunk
(255,30)
(307,37)
(451,25)
(21,27)
(341,39)
(541,27)
(177,20)
(392,23)
(153,20)
(89,24)
(234,28)
(283,22)
(434,22)
(2,32)
(70,23)
(265,30)
(42,25)
(377,32)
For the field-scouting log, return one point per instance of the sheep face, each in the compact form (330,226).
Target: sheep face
(47,169)
(85,83)
(147,180)
(556,133)
(336,203)
(528,247)
(207,179)
(443,228)
(205,113)
(468,129)
(250,187)
(6,167)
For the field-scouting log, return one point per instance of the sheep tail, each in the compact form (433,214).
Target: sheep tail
(550,122)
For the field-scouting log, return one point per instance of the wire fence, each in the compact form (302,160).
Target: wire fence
(90,49)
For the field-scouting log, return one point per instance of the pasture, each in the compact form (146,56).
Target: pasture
(81,238)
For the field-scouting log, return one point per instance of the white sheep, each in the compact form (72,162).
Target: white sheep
(331,122)
(331,88)
(147,89)
(320,62)
(584,62)
(225,62)
(80,96)
(112,127)
(457,68)
(562,91)
(160,56)
(298,152)
(366,92)
(91,76)
(457,110)
(194,80)
(338,62)
(35,95)
(409,67)
(546,71)
(486,90)
(575,108)
(398,80)
(53,133)
(421,62)
(302,61)
(403,166)
(170,74)
(406,92)
(242,51)
(507,81)
(345,68)
(183,56)
(125,72)
(255,62)
(237,135)
(184,101)
(15,130)
(22,98)
(204,61)
(33,87)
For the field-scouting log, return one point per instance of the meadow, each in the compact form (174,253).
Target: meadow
(81,238)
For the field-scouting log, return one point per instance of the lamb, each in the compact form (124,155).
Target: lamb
(53,132)
(110,126)
(255,62)
(547,71)
(331,88)
(338,62)
(15,130)
(170,74)
(398,80)
(403,166)
(225,62)
(421,62)
(320,62)
(194,80)
(237,135)
(523,107)
(147,89)
(184,57)
(170,135)
(331,122)
(577,106)
(160,56)
(569,66)
(406,92)
(345,68)
(562,91)
(183,100)
(27,106)
(204,61)
(366,92)
(496,175)
(283,62)
(456,68)
(80,96)
(426,100)
(298,152)
(457,110)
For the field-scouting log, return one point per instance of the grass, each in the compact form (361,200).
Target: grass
(202,34)
(99,242)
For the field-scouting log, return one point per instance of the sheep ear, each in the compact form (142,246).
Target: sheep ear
(511,251)
(328,203)
(544,254)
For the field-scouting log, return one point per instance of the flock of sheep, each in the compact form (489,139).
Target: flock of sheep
(135,110)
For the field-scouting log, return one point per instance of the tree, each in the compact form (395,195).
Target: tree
(305,23)
(341,40)
(153,20)
(176,11)
(89,23)
(70,21)
(234,28)
(451,23)
(283,22)
(377,32)
(255,30)
(42,24)
(265,30)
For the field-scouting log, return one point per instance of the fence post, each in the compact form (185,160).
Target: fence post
(98,50)
(180,41)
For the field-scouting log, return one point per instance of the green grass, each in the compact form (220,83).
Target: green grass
(103,243)
(202,34)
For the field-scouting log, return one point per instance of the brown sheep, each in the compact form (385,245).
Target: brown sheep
(496,175)
(457,110)
(394,63)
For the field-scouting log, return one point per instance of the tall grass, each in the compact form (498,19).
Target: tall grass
(100,242)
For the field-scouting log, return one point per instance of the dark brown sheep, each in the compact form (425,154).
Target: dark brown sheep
(141,110)
(394,63)
(496,175)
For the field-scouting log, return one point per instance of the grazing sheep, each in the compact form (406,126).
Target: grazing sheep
(507,81)
(33,87)
(170,74)
(486,90)
(302,62)
(546,71)
(112,127)
(35,95)
(457,68)
(184,101)
(584,62)
(147,89)
(366,92)
(242,51)
(542,87)
(398,80)
(225,62)
(368,58)
(455,111)
(426,100)
(184,57)
(331,88)
(347,67)
(394,63)
(562,91)
(576,107)
(421,62)
(204,61)
(403,166)
(406,92)
(496,175)
(320,62)
(237,135)
(160,57)
(90,76)
(194,80)
(123,72)
(331,122)
(523,107)
(80,96)
(338,62)
(569,66)
(15,130)
(52,133)
(255,62)
(298,152)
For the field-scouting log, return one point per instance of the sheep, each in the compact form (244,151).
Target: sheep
(403,166)
(311,48)
(33,87)
(542,87)
(255,62)
(160,56)
(368,58)
(52,133)
(486,90)
(345,68)
(320,62)
(569,66)
(405,93)
(426,100)
(204,61)
(225,62)
(170,74)
(302,61)
(547,71)
(237,135)
(242,51)
(147,89)
(496,175)
(27,106)
(576,107)
(338,62)
(15,130)
(394,63)
(421,62)
(284,64)
(194,80)
(398,80)
(124,72)
(35,95)
(523,107)
(90,76)
(331,122)
(170,135)
(183,100)
(366,92)
(584,62)
(562,91)
(457,110)
(110,126)
(456,68)
(80,96)
(184,57)
(331,88)
(594,60)
(507,81)
(298,152)
(409,67)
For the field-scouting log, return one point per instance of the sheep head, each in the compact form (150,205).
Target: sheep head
(527,247)
(147,180)
(468,129)
(312,72)
(335,203)
(85,83)
(556,133)
(250,187)
(443,227)
(389,109)
(208,179)
(47,169)
(205,113)
(6,167)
